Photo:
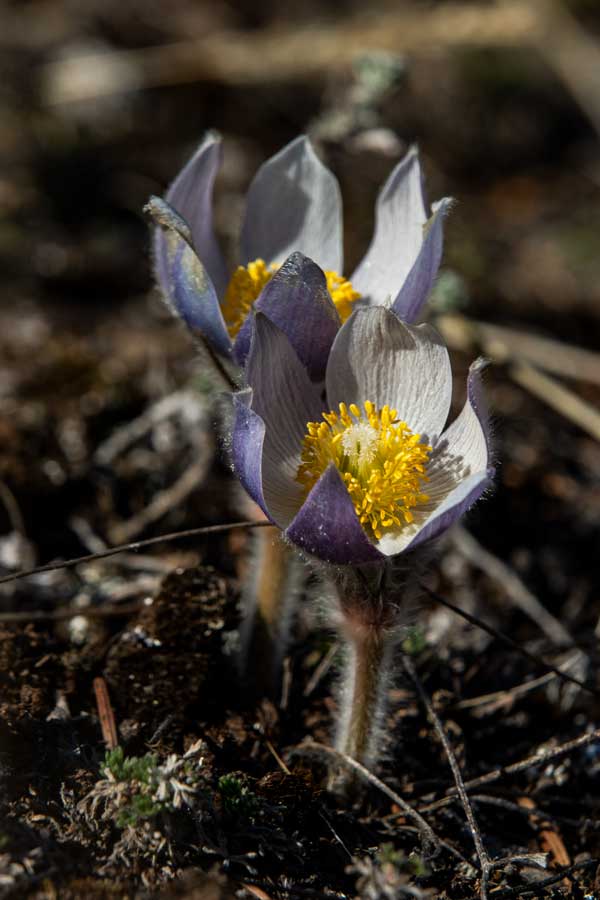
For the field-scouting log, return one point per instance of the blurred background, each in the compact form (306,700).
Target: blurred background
(101,103)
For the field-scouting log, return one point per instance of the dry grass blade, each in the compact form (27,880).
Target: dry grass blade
(501,344)
(557,397)
(289,53)
(512,585)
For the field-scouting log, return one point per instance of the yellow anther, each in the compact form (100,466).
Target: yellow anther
(248,281)
(244,288)
(383,464)
(342,293)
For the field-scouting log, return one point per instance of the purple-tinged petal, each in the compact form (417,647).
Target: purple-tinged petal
(400,215)
(467,438)
(247,447)
(420,280)
(327,525)
(378,358)
(454,506)
(296,299)
(459,472)
(189,290)
(294,203)
(191,196)
(285,399)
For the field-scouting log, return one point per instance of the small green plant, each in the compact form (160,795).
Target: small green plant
(236,797)
(129,768)
(414,643)
(134,789)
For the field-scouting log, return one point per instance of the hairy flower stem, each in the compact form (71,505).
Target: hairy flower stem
(368,653)
(271,584)
(366,624)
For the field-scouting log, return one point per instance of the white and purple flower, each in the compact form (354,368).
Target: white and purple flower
(293,204)
(363,469)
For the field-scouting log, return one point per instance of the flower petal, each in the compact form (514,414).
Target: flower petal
(296,299)
(400,215)
(459,472)
(378,358)
(327,525)
(189,290)
(467,438)
(419,281)
(191,196)
(285,399)
(455,504)
(294,203)
(247,446)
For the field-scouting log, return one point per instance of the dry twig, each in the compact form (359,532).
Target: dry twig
(430,839)
(484,861)
(533,657)
(136,545)
(538,759)
(105,713)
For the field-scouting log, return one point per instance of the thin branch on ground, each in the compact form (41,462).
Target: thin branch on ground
(533,889)
(507,695)
(509,642)
(538,759)
(429,837)
(484,861)
(136,545)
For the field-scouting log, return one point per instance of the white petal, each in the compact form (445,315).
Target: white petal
(294,203)
(378,358)
(286,399)
(466,439)
(400,216)
(459,472)
(427,526)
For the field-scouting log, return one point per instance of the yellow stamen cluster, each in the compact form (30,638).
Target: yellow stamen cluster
(383,464)
(243,289)
(248,281)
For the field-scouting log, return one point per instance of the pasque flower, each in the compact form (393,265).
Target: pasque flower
(363,469)
(293,204)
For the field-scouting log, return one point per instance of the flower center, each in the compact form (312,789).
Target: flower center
(248,281)
(383,464)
